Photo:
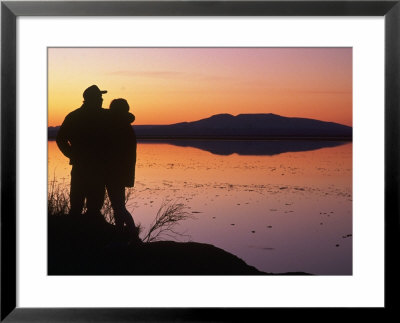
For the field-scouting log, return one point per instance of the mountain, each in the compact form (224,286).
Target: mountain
(246,126)
(242,126)
(52,132)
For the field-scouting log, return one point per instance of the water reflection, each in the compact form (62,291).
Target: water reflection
(280,212)
(252,148)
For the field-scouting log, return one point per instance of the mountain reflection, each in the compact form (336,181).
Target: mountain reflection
(252,148)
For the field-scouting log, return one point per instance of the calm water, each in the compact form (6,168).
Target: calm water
(281,206)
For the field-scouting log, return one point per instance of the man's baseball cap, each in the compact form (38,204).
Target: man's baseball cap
(92,92)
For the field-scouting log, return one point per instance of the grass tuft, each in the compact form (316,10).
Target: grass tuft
(164,225)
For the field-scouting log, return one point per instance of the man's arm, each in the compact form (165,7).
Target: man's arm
(62,139)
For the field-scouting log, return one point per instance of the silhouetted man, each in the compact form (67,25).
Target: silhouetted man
(81,139)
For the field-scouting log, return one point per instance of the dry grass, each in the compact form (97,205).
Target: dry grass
(168,217)
(58,198)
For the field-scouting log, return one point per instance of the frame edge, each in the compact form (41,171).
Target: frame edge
(8,161)
(392,152)
(8,155)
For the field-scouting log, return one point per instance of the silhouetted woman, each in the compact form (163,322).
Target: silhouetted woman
(121,161)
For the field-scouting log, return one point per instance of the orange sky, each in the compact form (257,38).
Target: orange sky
(169,85)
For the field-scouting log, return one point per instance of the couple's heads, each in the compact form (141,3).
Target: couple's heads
(93,97)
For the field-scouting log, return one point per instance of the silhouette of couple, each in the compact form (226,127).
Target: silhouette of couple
(101,146)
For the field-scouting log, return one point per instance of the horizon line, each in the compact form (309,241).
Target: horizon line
(169,124)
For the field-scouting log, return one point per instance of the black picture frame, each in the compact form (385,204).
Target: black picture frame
(11,10)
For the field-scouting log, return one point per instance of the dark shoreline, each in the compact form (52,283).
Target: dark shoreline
(81,246)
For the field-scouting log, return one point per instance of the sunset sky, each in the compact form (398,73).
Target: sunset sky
(170,85)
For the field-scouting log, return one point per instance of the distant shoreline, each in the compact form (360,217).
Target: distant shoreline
(239,138)
(243,127)
(242,138)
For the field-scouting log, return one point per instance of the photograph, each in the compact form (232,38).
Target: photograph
(200,161)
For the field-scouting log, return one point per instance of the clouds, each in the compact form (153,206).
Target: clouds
(150,74)
(168,74)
